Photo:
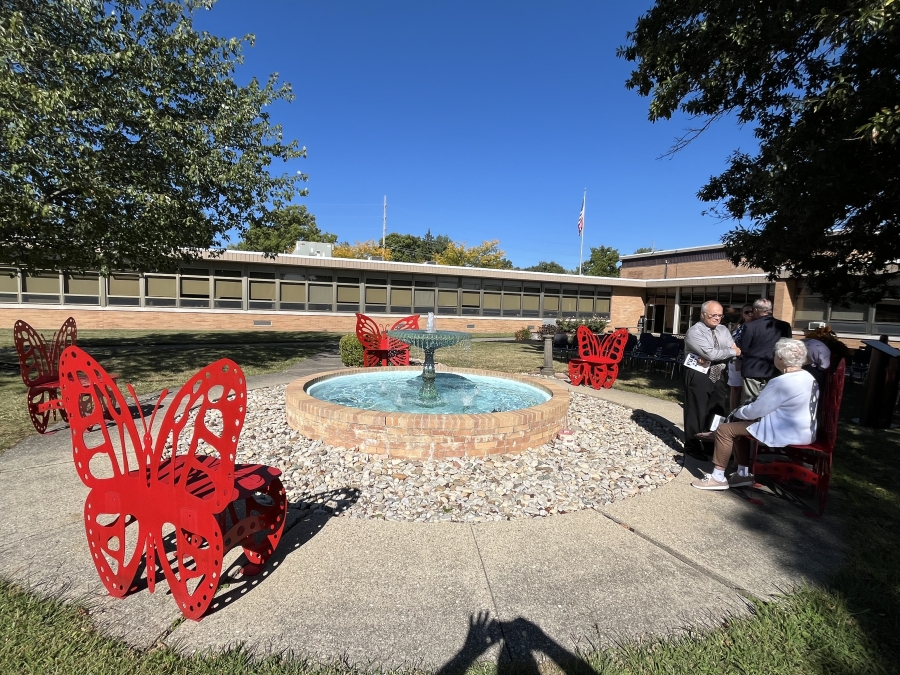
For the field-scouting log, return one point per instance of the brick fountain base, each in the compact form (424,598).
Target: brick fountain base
(423,436)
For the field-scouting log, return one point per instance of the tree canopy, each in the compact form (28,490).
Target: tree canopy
(820,82)
(644,249)
(602,263)
(125,142)
(362,250)
(487,254)
(410,248)
(551,267)
(289,225)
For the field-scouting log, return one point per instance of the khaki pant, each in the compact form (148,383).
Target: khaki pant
(732,436)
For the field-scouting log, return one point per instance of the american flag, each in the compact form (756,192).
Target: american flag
(581,218)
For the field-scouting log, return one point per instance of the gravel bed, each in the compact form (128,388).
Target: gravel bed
(617,453)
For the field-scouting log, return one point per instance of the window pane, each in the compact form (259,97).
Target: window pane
(83,284)
(531,302)
(471,283)
(585,304)
(293,292)
(512,285)
(471,299)
(551,303)
(348,294)
(261,275)
(447,298)
(161,287)
(492,285)
(887,312)
(320,295)
(569,304)
(401,296)
(228,273)
(809,308)
(851,313)
(348,280)
(376,296)
(512,301)
(262,290)
(8,281)
(602,306)
(372,281)
(228,289)
(195,271)
(127,285)
(424,298)
(41,283)
(195,288)
(492,301)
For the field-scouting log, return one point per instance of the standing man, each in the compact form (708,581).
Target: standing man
(757,343)
(705,392)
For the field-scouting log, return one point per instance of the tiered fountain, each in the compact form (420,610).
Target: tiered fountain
(436,414)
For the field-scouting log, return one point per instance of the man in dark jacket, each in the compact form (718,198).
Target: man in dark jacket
(757,343)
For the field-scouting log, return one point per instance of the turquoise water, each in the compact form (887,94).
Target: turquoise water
(399,392)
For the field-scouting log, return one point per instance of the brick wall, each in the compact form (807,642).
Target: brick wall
(626,307)
(785,297)
(705,268)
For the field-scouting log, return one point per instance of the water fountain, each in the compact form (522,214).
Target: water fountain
(439,414)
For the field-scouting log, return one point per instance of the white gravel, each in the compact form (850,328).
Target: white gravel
(617,454)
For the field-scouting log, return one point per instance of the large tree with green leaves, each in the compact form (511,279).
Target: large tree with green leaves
(819,80)
(551,267)
(603,262)
(289,225)
(125,142)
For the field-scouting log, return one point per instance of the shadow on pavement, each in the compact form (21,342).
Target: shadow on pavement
(520,640)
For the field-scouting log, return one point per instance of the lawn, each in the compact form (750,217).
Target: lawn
(849,625)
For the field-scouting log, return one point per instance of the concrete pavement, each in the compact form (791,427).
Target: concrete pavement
(441,595)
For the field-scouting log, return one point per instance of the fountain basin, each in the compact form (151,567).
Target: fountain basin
(424,435)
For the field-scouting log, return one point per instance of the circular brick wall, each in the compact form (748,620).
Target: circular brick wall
(420,436)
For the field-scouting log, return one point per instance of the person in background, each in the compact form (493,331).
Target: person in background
(735,381)
(705,393)
(818,360)
(784,414)
(757,344)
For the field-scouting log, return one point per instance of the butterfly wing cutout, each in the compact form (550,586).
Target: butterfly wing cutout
(368,332)
(34,359)
(588,345)
(66,336)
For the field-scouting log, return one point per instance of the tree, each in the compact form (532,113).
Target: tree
(551,267)
(410,248)
(820,82)
(362,250)
(602,262)
(644,249)
(291,224)
(125,142)
(487,254)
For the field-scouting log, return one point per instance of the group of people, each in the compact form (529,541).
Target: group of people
(768,383)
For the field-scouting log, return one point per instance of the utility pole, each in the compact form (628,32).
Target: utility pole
(384,225)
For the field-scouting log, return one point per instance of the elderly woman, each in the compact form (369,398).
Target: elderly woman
(784,414)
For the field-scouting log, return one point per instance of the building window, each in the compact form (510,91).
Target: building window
(81,289)
(9,285)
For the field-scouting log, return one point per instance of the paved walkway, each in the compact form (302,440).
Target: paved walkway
(441,595)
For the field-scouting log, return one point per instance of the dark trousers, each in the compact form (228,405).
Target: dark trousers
(702,400)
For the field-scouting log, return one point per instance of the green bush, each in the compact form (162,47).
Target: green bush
(595,323)
(351,351)
(523,334)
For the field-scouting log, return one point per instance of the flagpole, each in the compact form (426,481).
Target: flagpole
(581,251)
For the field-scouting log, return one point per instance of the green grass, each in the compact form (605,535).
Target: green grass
(851,624)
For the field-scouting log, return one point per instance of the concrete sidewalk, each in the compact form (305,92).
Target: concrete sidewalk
(441,595)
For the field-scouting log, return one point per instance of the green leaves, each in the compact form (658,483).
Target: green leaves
(124,140)
(820,83)
(602,263)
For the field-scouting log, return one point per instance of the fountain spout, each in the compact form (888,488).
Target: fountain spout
(429,325)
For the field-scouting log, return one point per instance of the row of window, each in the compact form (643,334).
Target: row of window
(302,290)
(882,318)
(660,307)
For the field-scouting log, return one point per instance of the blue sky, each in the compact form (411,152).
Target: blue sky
(479,120)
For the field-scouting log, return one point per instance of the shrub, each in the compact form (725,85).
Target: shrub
(351,351)
(523,334)
(570,325)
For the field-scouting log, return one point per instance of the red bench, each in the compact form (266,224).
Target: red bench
(378,347)
(174,499)
(39,367)
(598,362)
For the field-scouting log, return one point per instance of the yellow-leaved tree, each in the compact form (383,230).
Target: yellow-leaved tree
(487,254)
(362,250)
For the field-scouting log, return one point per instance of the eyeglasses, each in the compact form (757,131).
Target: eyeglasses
(748,311)
(715,316)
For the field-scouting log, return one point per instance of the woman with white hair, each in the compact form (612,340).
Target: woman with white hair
(784,414)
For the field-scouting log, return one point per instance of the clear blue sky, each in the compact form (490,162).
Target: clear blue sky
(479,120)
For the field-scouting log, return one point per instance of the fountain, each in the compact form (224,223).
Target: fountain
(384,411)
(429,340)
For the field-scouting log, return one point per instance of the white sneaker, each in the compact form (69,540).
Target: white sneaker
(710,483)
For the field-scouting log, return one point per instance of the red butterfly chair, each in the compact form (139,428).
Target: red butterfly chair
(599,361)
(39,366)
(378,347)
(177,499)
(808,464)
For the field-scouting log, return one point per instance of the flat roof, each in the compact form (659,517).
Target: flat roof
(672,251)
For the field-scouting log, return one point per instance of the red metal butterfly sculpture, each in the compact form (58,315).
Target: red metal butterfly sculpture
(39,366)
(378,347)
(177,497)
(598,364)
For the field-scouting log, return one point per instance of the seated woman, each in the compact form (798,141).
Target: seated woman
(784,414)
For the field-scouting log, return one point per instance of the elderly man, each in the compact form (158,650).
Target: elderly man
(705,393)
(757,343)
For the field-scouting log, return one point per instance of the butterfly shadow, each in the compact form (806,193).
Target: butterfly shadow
(306,518)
